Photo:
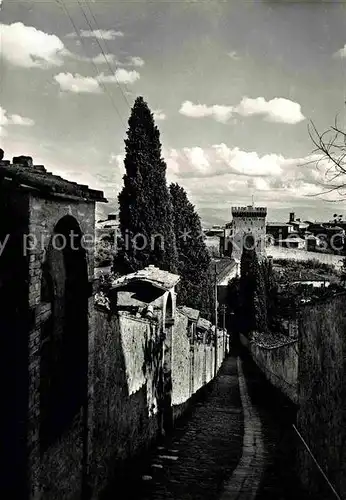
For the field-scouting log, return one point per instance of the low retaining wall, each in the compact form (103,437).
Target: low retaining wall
(277,358)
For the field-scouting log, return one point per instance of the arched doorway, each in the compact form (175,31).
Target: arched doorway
(64,335)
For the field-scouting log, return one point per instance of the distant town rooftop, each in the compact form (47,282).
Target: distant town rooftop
(23,173)
(279,224)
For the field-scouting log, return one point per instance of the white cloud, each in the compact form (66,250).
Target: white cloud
(159,115)
(6,119)
(77,83)
(86,84)
(341,53)
(233,175)
(21,120)
(103,59)
(28,47)
(136,61)
(121,75)
(99,34)
(233,55)
(218,112)
(278,110)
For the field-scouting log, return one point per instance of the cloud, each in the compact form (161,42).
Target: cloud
(121,75)
(233,175)
(279,110)
(159,115)
(28,47)
(341,53)
(103,59)
(21,120)
(99,34)
(136,61)
(77,83)
(218,112)
(233,55)
(6,119)
(86,84)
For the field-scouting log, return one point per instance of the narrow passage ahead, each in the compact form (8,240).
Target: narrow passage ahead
(237,443)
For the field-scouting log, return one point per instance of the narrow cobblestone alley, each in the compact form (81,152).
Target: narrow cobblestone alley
(208,458)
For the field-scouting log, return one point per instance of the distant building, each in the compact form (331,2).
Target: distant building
(279,230)
(293,242)
(108,226)
(247,221)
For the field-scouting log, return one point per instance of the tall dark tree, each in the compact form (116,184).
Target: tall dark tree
(145,209)
(195,289)
(252,291)
(271,292)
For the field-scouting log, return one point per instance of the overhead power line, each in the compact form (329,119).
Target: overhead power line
(102,50)
(61,3)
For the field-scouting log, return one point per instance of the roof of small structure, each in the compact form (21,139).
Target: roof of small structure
(204,324)
(192,314)
(36,178)
(151,274)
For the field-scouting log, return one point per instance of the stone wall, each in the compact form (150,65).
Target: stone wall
(126,369)
(181,361)
(57,470)
(321,416)
(124,403)
(278,362)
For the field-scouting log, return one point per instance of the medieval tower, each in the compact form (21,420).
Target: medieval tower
(247,221)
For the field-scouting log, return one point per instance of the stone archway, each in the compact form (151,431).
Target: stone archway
(64,334)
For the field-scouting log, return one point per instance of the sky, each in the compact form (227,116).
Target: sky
(233,86)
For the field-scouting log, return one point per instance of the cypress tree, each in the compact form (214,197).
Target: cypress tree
(195,288)
(145,209)
(253,292)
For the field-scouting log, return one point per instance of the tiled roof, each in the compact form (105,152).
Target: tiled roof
(192,314)
(204,324)
(36,177)
(151,274)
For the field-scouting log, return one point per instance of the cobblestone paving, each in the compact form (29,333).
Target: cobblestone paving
(279,481)
(203,452)
(202,459)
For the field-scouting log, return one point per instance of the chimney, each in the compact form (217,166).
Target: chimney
(291,217)
(23,161)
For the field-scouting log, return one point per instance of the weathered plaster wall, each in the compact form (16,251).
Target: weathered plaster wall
(180,361)
(321,417)
(279,364)
(126,368)
(124,415)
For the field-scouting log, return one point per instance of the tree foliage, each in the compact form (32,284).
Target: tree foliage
(195,288)
(145,209)
(252,292)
